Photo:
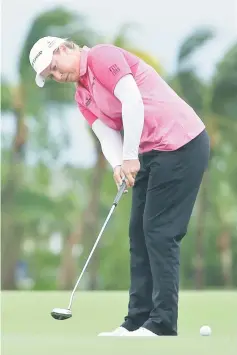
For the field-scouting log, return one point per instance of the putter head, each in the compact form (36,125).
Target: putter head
(61,313)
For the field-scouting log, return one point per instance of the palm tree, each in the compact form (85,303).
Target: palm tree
(224,104)
(25,101)
(122,40)
(215,102)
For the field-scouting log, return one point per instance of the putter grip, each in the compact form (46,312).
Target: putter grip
(120,193)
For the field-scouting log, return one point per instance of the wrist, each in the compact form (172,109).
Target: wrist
(130,157)
(116,166)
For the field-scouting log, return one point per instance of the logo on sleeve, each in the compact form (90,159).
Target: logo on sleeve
(114,69)
(88,101)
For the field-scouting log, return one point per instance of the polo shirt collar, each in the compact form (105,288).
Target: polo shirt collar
(83,60)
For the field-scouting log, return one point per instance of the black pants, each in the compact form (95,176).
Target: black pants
(164,194)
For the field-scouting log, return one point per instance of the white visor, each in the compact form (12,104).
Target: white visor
(41,56)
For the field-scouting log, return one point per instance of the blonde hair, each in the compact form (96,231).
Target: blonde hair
(71,45)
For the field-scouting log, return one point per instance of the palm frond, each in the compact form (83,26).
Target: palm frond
(193,42)
(224,84)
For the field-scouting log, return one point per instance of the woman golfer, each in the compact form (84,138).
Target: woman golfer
(163,155)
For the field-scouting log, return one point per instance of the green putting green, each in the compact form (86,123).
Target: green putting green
(28,328)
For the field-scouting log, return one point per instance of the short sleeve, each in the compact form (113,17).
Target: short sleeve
(109,65)
(89,116)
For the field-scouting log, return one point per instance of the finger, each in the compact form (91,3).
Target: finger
(119,186)
(130,180)
(125,176)
(134,175)
(124,179)
(118,178)
(122,175)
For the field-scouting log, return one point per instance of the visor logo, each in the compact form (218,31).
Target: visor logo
(51,43)
(36,57)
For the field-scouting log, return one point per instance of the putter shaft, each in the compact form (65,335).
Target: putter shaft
(91,253)
(116,201)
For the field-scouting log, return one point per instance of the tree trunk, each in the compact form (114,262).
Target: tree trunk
(224,244)
(12,229)
(10,257)
(68,267)
(201,218)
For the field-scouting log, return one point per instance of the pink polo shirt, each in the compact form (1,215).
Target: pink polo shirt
(169,122)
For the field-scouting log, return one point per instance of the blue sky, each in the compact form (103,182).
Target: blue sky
(162,27)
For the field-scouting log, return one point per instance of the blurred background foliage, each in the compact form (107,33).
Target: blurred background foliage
(52,211)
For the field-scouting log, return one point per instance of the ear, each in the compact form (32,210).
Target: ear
(63,48)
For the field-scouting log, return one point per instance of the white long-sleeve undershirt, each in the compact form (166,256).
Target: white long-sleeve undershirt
(111,142)
(114,150)
(129,95)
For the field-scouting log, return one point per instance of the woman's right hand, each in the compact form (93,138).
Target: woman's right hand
(118,177)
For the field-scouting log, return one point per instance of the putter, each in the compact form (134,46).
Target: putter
(65,313)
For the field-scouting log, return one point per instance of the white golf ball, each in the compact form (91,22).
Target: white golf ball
(205,330)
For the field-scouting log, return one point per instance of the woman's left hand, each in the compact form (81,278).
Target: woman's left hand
(130,169)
